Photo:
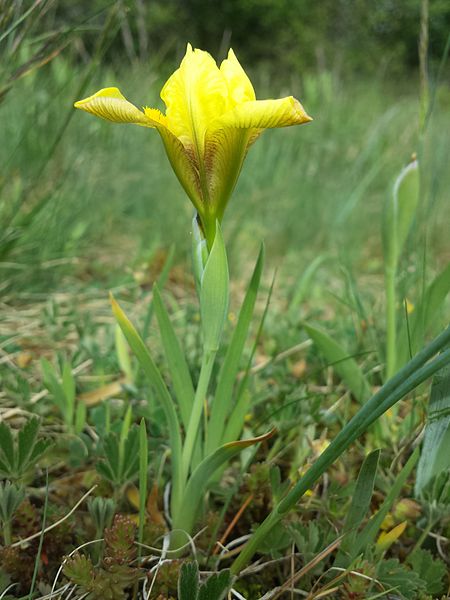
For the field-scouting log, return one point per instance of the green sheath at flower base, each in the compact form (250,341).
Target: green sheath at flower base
(212,118)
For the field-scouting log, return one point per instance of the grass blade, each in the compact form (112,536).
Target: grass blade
(424,316)
(197,484)
(156,380)
(399,213)
(227,378)
(344,364)
(358,509)
(236,420)
(304,285)
(435,457)
(143,468)
(161,281)
(367,536)
(181,378)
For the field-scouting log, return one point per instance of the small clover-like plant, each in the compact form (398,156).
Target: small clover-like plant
(120,456)
(19,453)
(102,513)
(215,587)
(63,391)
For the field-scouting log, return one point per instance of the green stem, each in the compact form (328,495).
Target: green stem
(143,483)
(391,323)
(408,378)
(422,538)
(197,408)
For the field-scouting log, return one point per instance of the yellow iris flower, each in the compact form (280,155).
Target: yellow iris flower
(212,117)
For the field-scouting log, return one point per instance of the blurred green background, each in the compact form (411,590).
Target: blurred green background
(83,198)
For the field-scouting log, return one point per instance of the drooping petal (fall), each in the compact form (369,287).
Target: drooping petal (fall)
(111,104)
(225,152)
(264,114)
(230,136)
(184,167)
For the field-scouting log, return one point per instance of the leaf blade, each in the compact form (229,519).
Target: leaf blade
(230,367)
(344,364)
(181,378)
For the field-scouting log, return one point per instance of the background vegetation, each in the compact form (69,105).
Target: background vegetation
(86,207)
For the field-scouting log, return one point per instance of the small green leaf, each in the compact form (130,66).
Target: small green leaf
(68,386)
(358,508)
(216,586)
(425,315)
(431,570)
(39,449)
(214,294)
(110,467)
(104,469)
(367,536)
(344,364)
(54,387)
(435,455)
(131,455)
(7,448)
(303,285)
(188,581)
(26,439)
(11,496)
(396,576)
(399,212)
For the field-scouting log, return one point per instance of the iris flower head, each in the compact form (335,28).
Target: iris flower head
(212,117)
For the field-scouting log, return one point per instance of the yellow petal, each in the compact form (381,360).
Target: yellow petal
(225,152)
(194,95)
(110,104)
(386,539)
(239,85)
(230,136)
(265,114)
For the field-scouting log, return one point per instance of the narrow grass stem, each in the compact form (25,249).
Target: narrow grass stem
(143,469)
(196,414)
(391,323)
(407,379)
(423,536)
